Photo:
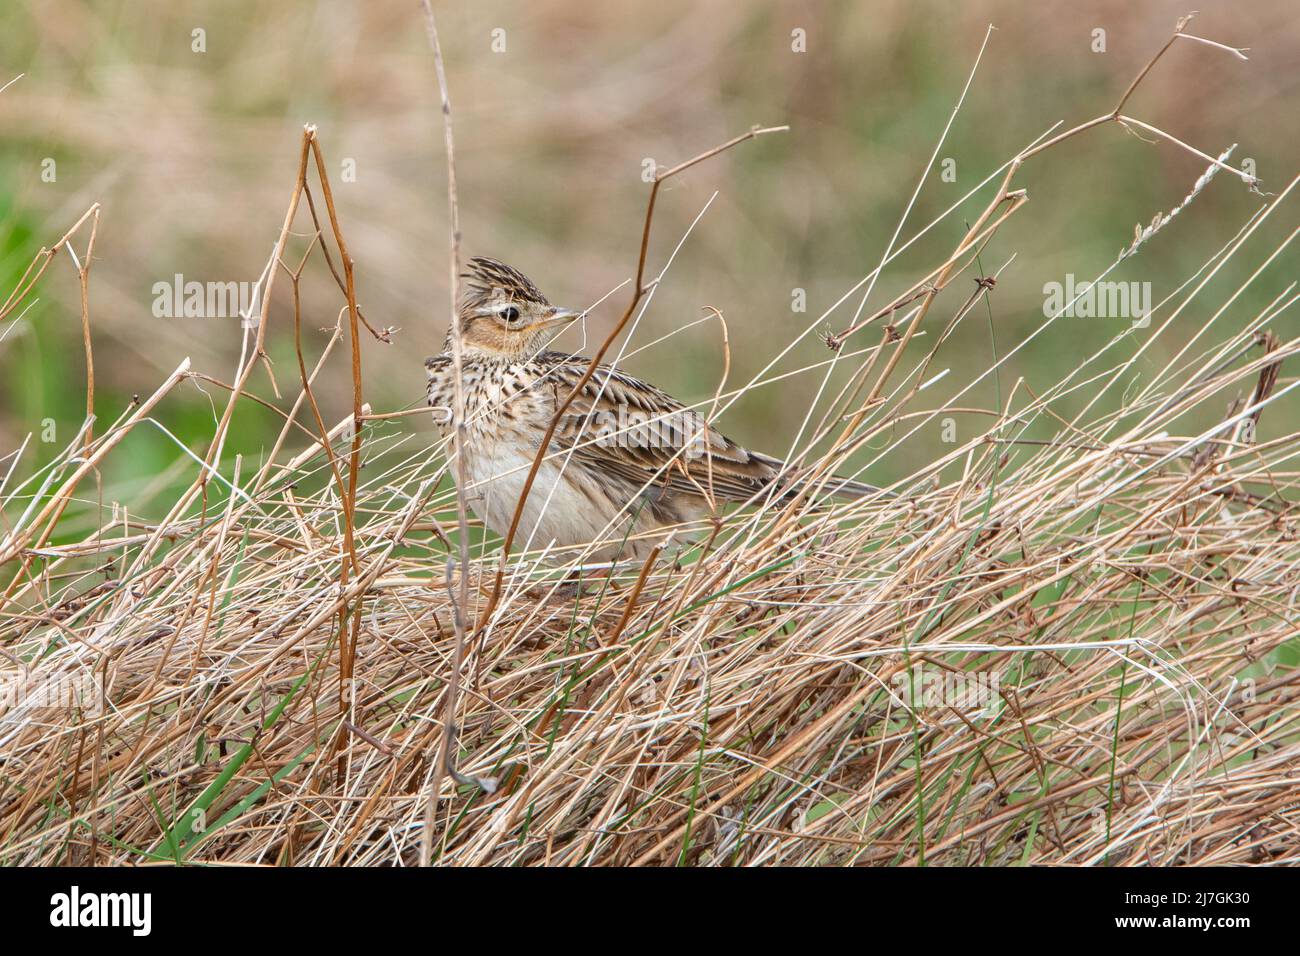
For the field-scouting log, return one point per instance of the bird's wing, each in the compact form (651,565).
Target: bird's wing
(624,426)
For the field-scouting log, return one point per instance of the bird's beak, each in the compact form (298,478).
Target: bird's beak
(556,319)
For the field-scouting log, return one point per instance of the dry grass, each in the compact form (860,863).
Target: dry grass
(276,650)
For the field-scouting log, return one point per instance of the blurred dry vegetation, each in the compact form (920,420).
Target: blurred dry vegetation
(193,155)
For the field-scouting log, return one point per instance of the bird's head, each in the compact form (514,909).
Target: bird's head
(502,314)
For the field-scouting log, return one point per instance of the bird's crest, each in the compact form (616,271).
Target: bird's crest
(487,280)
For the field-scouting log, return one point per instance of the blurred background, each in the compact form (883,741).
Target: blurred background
(558,106)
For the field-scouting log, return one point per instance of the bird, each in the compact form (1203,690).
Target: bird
(628,465)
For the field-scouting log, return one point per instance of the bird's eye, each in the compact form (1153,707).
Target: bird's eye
(509,313)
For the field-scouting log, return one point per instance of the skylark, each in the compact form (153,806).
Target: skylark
(626,464)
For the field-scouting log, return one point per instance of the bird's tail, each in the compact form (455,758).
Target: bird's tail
(792,483)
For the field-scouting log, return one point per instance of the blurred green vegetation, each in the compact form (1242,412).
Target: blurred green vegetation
(193,155)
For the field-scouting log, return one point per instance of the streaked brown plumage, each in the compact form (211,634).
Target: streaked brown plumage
(607,464)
